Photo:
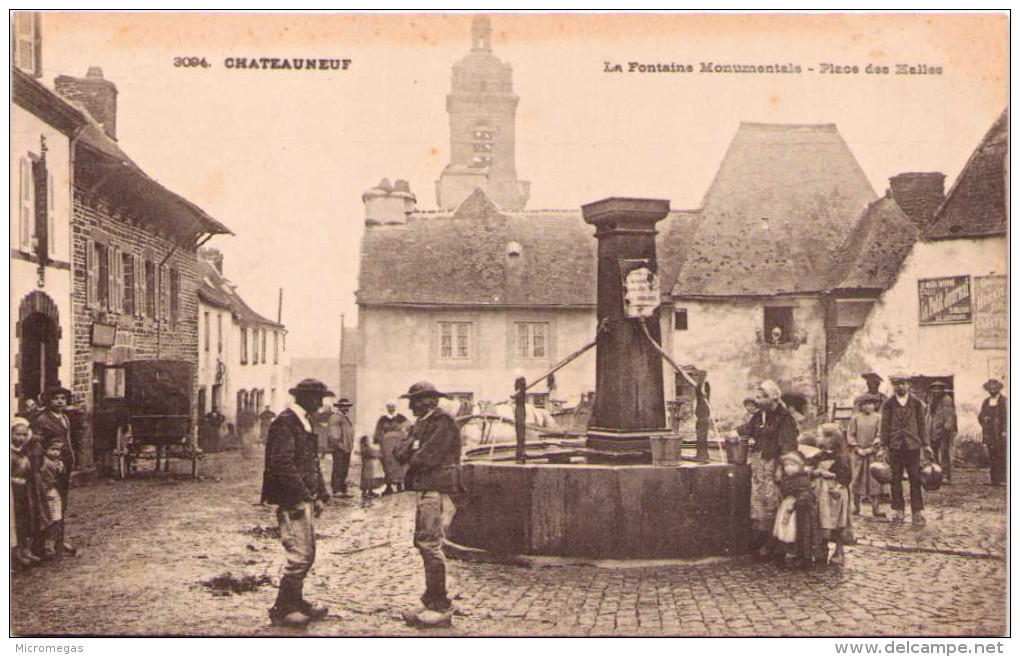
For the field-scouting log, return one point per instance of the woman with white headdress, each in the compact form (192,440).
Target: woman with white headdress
(775,433)
(389,431)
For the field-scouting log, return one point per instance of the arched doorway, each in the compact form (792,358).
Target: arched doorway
(38,345)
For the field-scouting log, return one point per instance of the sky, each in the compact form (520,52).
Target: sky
(282,157)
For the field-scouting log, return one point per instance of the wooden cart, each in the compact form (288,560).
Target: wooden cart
(158,408)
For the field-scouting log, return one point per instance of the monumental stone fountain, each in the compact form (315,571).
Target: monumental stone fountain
(606,499)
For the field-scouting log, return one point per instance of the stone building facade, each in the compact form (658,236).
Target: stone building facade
(134,265)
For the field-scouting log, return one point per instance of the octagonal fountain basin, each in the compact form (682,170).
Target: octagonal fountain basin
(604,511)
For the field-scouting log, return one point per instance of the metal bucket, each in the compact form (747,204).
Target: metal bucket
(666,450)
(736,451)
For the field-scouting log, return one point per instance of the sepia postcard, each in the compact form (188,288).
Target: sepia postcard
(510,324)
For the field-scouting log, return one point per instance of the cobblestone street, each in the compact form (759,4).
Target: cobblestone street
(147,544)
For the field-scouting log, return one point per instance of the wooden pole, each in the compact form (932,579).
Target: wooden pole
(279,308)
(520,415)
(340,360)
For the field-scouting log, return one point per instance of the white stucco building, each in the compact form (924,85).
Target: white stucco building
(946,316)
(43,129)
(243,364)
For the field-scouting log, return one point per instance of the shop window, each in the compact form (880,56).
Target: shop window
(778,324)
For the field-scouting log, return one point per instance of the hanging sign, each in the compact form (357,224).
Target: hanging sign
(640,288)
(991,323)
(944,300)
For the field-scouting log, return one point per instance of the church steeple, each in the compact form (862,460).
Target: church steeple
(481,33)
(483,112)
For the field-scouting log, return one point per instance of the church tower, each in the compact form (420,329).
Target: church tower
(483,110)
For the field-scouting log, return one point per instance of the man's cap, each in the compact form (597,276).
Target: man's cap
(312,387)
(343,402)
(937,385)
(871,375)
(423,389)
(899,376)
(992,383)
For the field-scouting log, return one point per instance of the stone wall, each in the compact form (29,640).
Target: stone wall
(726,338)
(139,337)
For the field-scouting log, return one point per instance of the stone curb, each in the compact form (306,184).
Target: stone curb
(893,547)
(477,555)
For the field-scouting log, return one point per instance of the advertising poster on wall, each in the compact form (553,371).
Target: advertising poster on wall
(991,326)
(944,300)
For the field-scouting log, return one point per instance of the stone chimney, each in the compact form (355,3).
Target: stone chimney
(98,95)
(919,195)
(389,203)
(213,256)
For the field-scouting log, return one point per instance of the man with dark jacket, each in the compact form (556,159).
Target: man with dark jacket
(293,481)
(993,430)
(340,440)
(942,428)
(903,436)
(52,426)
(431,451)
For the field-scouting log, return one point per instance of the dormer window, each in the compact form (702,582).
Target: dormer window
(764,223)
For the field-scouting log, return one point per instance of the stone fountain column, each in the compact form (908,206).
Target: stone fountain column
(629,400)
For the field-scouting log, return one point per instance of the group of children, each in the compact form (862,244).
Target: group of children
(814,484)
(36,504)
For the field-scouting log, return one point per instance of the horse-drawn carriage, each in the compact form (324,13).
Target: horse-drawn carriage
(156,419)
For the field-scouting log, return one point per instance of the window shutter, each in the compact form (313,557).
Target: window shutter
(164,293)
(112,254)
(27,204)
(51,228)
(139,286)
(90,273)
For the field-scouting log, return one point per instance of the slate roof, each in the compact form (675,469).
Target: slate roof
(160,204)
(218,291)
(874,251)
(976,205)
(460,258)
(805,182)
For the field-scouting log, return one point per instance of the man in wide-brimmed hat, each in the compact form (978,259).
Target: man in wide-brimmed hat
(942,427)
(431,451)
(293,481)
(52,426)
(340,440)
(874,381)
(904,437)
(993,430)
